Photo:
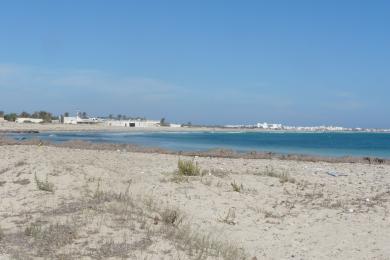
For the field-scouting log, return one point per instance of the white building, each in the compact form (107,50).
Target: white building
(29,120)
(133,123)
(74,120)
(269,126)
(70,120)
(174,125)
(2,119)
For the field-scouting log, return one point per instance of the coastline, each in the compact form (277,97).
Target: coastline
(29,127)
(213,153)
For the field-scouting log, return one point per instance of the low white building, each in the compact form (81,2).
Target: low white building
(74,120)
(70,120)
(133,123)
(29,120)
(2,119)
(174,125)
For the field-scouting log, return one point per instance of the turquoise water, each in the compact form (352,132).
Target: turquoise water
(325,144)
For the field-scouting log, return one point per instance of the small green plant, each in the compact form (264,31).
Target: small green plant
(284,177)
(237,187)
(188,168)
(44,185)
(171,217)
(230,217)
(33,230)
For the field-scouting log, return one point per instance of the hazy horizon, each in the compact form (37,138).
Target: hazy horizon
(222,62)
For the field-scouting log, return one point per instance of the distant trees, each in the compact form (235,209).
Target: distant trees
(66,114)
(163,122)
(11,117)
(24,114)
(188,124)
(45,116)
(84,115)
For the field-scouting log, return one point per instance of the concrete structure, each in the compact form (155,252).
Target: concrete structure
(29,120)
(174,125)
(70,120)
(133,123)
(74,120)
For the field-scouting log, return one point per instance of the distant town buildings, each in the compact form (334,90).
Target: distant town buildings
(269,126)
(123,121)
(273,126)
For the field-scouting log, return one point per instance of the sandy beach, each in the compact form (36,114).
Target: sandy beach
(15,127)
(66,203)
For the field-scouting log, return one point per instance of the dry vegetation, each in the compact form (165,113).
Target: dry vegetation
(188,168)
(44,185)
(53,232)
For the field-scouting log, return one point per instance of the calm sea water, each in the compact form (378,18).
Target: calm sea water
(326,144)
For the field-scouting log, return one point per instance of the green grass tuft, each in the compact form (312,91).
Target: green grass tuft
(188,168)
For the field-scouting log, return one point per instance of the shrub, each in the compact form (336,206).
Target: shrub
(188,168)
(1,234)
(44,185)
(237,187)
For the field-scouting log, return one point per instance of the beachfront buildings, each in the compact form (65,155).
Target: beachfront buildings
(133,123)
(74,120)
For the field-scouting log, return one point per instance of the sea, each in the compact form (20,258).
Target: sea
(335,144)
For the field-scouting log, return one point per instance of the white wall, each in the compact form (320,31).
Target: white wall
(32,120)
(70,120)
(127,123)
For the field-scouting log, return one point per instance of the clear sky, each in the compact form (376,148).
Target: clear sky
(293,62)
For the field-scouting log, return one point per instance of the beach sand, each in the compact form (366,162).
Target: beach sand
(64,203)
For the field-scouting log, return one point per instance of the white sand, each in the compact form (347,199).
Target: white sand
(317,217)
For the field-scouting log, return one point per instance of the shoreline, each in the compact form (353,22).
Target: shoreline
(213,153)
(37,128)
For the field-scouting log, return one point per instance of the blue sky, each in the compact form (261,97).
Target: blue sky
(294,62)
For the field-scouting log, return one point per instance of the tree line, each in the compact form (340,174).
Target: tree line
(47,117)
